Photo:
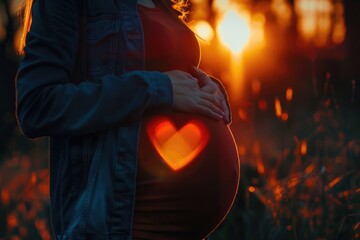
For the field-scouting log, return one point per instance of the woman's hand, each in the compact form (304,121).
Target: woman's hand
(189,97)
(211,87)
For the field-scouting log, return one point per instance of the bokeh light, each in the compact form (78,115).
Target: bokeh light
(204,30)
(177,147)
(234,30)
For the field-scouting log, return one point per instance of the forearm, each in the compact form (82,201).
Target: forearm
(69,109)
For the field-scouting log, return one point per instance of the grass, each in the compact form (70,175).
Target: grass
(300,180)
(309,187)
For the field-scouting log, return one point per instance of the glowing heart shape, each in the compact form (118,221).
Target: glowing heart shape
(177,147)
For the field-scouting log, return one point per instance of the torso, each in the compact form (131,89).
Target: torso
(180,201)
(165,40)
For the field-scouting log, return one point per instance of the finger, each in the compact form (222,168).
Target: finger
(212,107)
(204,79)
(188,75)
(200,73)
(211,98)
(226,109)
(191,83)
(208,112)
(210,88)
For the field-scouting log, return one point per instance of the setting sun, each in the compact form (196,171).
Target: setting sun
(234,30)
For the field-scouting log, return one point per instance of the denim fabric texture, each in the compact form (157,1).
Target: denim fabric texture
(83,85)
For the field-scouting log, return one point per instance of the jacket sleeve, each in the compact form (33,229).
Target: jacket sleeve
(48,103)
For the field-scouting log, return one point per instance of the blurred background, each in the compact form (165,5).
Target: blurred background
(292,70)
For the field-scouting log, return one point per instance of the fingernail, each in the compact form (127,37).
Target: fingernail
(193,71)
(219,115)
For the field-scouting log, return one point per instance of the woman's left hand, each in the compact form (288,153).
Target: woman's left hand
(209,86)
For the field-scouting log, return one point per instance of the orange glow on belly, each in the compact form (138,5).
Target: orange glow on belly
(177,148)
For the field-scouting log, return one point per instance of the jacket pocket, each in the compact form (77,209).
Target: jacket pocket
(81,151)
(103,43)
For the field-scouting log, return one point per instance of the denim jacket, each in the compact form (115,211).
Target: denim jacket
(82,83)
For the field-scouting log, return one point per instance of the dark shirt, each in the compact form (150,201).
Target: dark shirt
(189,202)
(169,44)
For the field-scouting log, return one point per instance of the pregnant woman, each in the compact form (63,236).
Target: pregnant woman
(139,142)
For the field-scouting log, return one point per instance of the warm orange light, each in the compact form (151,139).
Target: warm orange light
(320,21)
(5,196)
(263,105)
(293,182)
(335,181)
(339,29)
(234,30)
(289,94)
(278,110)
(204,30)
(257,37)
(40,224)
(220,5)
(33,178)
(338,35)
(284,116)
(282,11)
(43,188)
(242,150)
(243,114)
(309,169)
(278,193)
(257,154)
(12,220)
(256,86)
(346,193)
(251,189)
(303,147)
(177,147)
(260,166)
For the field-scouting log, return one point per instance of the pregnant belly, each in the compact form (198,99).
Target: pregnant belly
(187,178)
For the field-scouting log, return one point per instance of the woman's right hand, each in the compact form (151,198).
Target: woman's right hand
(188,96)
